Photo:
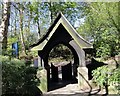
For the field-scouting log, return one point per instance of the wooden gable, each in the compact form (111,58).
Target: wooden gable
(82,43)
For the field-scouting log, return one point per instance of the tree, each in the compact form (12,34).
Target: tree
(101,27)
(4,25)
(69,9)
(39,16)
(21,23)
(44,13)
(21,8)
(29,18)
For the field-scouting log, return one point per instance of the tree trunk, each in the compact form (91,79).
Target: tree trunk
(4,25)
(51,14)
(21,31)
(39,33)
(38,24)
(15,30)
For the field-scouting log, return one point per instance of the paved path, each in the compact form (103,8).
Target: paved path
(69,90)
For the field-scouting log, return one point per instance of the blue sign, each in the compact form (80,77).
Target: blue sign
(15,51)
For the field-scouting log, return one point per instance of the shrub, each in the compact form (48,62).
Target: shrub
(100,75)
(107,76)
(17,78)
(115,79)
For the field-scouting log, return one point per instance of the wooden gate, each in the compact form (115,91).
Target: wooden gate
(67,72)
(54,73)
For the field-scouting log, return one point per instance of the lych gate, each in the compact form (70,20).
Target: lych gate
(61,32)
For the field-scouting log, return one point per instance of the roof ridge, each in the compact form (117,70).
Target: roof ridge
(61,19)
(48,31)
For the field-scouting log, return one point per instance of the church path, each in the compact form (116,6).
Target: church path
(71,90)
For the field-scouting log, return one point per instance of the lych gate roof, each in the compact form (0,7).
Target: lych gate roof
(61,20)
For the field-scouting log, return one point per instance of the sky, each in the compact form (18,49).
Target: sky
(79,22)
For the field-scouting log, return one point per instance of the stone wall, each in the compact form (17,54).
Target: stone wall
(83,82)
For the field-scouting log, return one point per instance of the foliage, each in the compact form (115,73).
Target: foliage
(60,53)
(100,75)
(42,75)
(31,18)
(44,13)
(106,75)
(17,78)
(69,9)
(4,24)
(101,27)
(115,79)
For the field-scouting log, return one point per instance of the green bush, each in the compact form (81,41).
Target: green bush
(17,78)
(100,75)
(115,79)
(107,76)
